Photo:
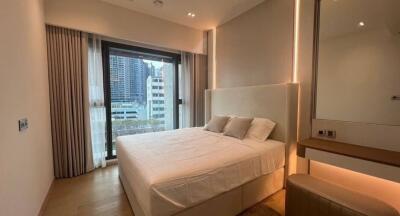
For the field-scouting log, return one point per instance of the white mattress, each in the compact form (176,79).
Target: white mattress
(173,170)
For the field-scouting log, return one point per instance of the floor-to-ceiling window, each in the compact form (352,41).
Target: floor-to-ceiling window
(141,91)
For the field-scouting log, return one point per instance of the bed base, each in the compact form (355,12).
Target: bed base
(229,203)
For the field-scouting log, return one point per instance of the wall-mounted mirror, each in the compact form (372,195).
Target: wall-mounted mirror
(358,66)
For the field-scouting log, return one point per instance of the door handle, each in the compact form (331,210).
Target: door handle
(396,97)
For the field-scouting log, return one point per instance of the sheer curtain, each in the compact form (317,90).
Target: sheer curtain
(193,85)
(97,111)
(187,60)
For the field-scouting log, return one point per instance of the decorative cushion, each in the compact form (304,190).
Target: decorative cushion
(238,127)
(228,122)
(217,123)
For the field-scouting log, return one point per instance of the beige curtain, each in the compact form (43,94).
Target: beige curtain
(66,83)
(199,87)
(193,84)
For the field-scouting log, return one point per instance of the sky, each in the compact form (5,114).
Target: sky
(157,64)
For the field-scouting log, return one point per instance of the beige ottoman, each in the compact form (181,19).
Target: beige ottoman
(309,196)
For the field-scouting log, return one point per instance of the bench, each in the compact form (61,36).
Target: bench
(309,196)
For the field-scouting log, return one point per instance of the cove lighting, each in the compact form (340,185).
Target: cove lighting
(296,41)
(214,50)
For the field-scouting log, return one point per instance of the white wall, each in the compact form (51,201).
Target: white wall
(26,166)
(95,16)
(256,47)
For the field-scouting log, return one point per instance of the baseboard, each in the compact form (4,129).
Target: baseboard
(112,162)
(46,199)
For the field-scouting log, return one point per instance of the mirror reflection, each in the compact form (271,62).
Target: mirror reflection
(358,72)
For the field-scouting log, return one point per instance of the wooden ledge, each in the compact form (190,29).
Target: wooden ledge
(362,152)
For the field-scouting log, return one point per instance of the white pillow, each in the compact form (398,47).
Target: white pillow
(260,129)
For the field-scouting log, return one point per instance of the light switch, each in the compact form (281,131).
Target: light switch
(23,124)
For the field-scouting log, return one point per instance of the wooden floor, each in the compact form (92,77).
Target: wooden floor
(101,193)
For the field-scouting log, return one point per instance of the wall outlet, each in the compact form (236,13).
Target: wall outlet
(331,134)
(322,133)
(327,133)
(23,124)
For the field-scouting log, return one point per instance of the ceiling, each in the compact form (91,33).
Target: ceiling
(341,17)
(209,13)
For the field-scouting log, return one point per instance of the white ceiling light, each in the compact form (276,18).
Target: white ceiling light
(361,24)
(192,15)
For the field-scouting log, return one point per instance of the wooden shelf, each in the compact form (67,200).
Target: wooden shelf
(366,153)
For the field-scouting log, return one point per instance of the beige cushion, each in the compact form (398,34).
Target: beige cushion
(217,123)
(260,129)
(229,122)
(238,127)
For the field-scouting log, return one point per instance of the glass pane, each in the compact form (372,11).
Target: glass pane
(142,94)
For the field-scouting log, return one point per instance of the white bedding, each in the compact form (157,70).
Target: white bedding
(173,170)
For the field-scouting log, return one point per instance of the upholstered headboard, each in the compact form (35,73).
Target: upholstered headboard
(277,102)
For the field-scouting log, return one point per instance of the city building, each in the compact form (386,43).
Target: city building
(128,78)
(160,96)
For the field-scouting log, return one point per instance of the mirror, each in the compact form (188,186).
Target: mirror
(358,65)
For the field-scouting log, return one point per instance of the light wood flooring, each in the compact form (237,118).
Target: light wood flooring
(101,193)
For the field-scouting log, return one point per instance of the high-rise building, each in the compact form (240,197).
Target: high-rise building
(160,96)
(128,79)
(156,99)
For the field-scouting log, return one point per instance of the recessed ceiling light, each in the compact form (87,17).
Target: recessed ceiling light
(361,24)
(158,3)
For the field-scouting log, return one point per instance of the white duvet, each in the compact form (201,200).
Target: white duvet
(173,170)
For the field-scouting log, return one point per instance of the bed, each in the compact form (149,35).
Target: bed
(196,172)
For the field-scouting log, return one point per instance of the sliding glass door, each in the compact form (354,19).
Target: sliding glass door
(141,91)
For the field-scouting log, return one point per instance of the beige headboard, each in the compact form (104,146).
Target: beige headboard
(277,102)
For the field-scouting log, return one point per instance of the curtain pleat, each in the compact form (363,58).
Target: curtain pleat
(86,103)
(187,60)
(200,85)
(65,65)
(194,84)
(96,112)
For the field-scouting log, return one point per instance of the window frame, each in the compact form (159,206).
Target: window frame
(106,46)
